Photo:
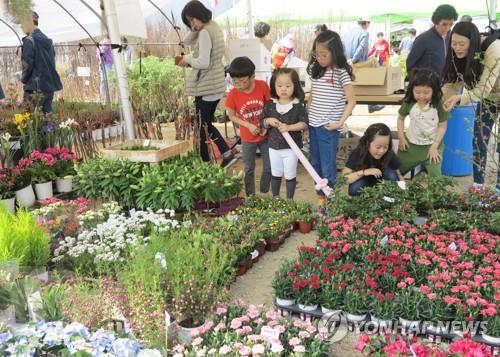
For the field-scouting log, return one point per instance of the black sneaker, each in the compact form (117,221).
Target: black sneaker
(228,161)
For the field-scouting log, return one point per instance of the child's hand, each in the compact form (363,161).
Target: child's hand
(273,122)
(373,172)
(403,144)
(253,129)
(283,127)
(333,125)
(434,155)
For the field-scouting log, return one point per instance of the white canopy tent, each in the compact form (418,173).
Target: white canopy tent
(60,27)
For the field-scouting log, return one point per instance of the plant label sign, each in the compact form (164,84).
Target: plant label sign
(384,240)
(146,143)
(270,335)
(453,246)
(389,199)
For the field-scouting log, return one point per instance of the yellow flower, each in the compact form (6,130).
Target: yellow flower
(21,121)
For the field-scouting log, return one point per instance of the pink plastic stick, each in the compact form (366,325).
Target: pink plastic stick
(321,183)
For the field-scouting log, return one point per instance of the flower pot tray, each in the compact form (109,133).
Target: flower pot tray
(166,150)
(478,338)
(294,310)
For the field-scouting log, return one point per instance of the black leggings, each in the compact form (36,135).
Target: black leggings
(205,112)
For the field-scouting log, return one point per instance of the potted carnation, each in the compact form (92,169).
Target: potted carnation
(23,189)
(283,285)
(492,333)
(356,306)
(332,296)
(42,174)
(64,168)
(308,293)
(382,310)
(410,306)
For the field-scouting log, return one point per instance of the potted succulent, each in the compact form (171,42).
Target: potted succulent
(283,285)
(7,195)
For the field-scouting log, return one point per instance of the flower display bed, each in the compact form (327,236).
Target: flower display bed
(165,150)
(388,269)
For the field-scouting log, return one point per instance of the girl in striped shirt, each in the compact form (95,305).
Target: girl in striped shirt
(331,77)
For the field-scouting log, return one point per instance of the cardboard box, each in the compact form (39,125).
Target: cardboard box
(345,148)
(253,49)
(377,81)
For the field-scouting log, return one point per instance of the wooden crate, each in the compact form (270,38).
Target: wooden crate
(166,149)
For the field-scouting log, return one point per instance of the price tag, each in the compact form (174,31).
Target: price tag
(402,185)
(453,246)
(384,240)
(270,335)
(147,142)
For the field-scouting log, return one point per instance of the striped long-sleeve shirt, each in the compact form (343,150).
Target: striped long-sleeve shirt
(328,97)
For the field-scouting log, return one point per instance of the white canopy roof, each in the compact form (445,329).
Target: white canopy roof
(295,9)
(60,27)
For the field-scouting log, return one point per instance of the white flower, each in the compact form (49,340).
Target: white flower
(6,137)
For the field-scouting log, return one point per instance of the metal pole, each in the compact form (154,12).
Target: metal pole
(121,74)
(250,20)
(493,14)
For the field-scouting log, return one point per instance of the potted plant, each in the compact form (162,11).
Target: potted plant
(22,183)
(440,315)
(307,292)
(492,333)
(42,173)
(283,285)
(198,267)
(332,296)
(411,307)
(6,152)
(64,168)
(7,195)
(382,310)
(306,216)
(355,304)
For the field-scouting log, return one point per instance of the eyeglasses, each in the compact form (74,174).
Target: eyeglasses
(323,55)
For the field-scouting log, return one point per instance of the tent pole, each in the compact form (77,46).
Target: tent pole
(250,20)
(121,74)
(493,14)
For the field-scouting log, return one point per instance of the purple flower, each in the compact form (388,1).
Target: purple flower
(49,128)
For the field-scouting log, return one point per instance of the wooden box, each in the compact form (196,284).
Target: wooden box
(166,149)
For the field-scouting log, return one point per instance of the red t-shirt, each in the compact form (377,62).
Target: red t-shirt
(249,107)
(382,49)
